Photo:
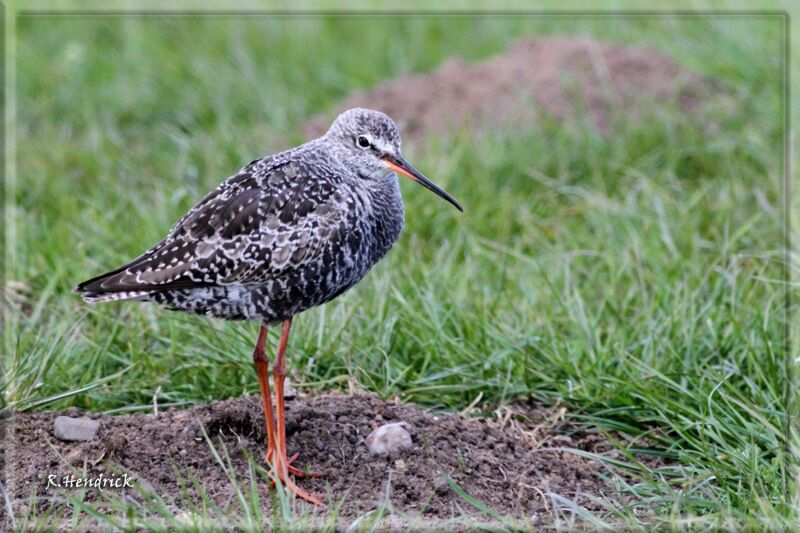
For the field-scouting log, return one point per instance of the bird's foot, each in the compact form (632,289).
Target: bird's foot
(284,468)
(293,470)
(292,487)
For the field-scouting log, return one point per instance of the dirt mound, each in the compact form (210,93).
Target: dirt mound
(556,75)
(513,467)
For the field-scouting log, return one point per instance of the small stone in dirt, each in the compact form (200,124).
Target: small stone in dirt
(289,392)
(400,466)
(441,487)
(193,520)
(71,429)
(389,438)
(116,444)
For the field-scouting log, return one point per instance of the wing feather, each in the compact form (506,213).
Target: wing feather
(253,227)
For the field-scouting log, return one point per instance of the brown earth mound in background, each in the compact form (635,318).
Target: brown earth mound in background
(513,466)
(560,76)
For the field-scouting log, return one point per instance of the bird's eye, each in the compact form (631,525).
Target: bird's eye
(362,142)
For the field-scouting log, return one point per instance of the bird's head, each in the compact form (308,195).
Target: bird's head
(370,142)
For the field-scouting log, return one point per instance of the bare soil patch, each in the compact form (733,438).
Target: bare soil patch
(513,466)
(558,76)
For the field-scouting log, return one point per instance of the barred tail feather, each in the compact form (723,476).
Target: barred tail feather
(97,297)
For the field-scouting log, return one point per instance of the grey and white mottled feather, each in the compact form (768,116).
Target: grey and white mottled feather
(284,234)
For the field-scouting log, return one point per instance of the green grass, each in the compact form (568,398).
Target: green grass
(634,278)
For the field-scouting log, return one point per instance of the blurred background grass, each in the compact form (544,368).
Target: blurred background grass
(634,278)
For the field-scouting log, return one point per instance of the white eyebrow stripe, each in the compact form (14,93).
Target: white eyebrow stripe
(383,146)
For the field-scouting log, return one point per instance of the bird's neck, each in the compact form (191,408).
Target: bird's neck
(387,214)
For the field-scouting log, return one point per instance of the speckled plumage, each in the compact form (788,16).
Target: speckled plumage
(284,234)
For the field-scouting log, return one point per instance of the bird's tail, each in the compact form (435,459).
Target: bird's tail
(93,291)
(97,297)
(103,289)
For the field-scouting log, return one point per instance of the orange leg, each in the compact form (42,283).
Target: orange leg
(282,464)
(261,361)
(276,425)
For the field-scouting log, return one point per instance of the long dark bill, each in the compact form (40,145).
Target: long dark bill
(400,165)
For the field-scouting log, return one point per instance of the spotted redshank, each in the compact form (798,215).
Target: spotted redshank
(286,233)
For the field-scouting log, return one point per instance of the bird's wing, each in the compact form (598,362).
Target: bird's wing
(257,224)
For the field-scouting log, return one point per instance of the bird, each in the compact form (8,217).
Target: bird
(286,233)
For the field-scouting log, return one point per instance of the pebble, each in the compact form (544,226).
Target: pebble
(289,392)
(441,487)
(389,438)
(72,429)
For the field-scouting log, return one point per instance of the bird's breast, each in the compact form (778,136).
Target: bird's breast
(373,224)
(385,220)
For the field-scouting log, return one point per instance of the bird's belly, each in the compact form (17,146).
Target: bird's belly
(273,300)
(301,290)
